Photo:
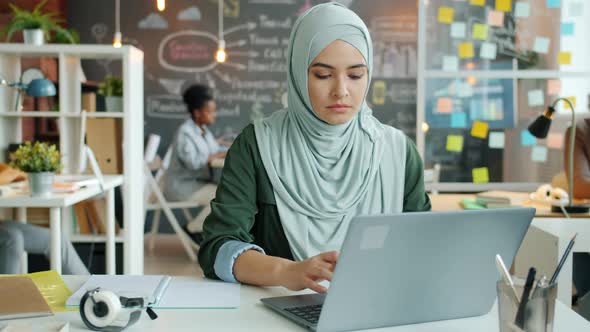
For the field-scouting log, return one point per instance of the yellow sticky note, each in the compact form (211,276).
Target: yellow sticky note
(572,100)
(480,129)
(504,5)
(455,143)
(564,58)
(444,105)
(478,2)
(466,50)
(480,31)
(480,175)
(445,14)
(52,287)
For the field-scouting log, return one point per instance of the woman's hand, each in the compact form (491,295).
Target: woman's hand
(310,272)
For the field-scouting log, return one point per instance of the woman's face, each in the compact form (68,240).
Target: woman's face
(337,82)
(206,115)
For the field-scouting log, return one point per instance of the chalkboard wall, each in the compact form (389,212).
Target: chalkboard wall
(180,42)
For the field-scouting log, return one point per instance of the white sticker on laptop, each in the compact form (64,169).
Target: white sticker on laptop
(374,237)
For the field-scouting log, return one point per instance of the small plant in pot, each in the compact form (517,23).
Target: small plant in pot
(36,25)
(112,90)
(40,161)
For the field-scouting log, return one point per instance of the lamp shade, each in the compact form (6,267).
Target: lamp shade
(41,87)
(540,127)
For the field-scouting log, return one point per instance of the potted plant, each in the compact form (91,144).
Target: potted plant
(36,26)
(40,161)
(112,90)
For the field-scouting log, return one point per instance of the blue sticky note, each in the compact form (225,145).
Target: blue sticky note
(527,138)
(553,3)
(567,29)
(458,120)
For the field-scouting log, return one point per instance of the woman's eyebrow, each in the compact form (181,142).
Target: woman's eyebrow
(324,65)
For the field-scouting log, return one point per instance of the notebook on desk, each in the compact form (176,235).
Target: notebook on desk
(21,299)
(165,292)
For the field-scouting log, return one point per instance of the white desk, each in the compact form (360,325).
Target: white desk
(253,316)
(544,243)
(57,202)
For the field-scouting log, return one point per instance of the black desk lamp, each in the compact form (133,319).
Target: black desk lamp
(539,128)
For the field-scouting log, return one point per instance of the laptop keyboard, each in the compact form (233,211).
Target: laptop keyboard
(310,313)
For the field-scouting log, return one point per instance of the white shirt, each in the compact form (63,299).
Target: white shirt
(188,169)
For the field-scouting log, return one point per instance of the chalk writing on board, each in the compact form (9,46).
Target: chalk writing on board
(188,51)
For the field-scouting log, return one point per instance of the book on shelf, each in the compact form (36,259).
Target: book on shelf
(91,217)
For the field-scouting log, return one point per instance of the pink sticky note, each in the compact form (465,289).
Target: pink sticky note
(444,105)
(555,141)
(553,87)
(496,18)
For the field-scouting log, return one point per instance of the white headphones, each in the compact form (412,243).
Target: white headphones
(99,309)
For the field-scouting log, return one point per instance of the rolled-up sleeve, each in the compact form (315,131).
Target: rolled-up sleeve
(226,258)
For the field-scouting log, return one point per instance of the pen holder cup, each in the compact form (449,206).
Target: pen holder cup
(539,310)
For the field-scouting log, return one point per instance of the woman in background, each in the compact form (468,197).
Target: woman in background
(188,177)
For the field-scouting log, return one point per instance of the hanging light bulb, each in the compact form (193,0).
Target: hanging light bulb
(220,55)
(425,127)
(118,36)
(117,39)
(161,5)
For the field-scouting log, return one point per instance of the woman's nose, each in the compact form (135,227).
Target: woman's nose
(340,89)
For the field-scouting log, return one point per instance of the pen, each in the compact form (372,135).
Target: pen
(563,258)
(506,276)
(530,279)
(542,283)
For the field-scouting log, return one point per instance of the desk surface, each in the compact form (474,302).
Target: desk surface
(451,202)
(253,316)
(62,199)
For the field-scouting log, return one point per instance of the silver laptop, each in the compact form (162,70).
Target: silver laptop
(412,268)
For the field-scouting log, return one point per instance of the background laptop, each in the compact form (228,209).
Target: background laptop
(412,268)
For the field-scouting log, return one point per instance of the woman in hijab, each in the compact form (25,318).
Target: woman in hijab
(292,182)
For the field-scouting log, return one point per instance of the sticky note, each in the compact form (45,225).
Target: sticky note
(572,100)
(480,175)
(445,15)
(504,5)
(455,143)
(458,120)
(496,18)
(555,141)
(479,31)
(576,9)
(553,87)
(497,140)
(450,63)
(541,45)
(477,2)
(464,90)
(522,9)
(466,50)
(479,129)
(458,30)
(567,29)
(564,58)
(553,3)
(488,51)
(539,154)
(536,98)
(527,138)
(444,105)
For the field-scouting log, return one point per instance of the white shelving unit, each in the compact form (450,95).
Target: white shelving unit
(69,114)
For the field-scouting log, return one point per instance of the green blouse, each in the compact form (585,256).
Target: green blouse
(244,208)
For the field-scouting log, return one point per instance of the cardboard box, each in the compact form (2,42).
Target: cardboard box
(89,101)
(105,138)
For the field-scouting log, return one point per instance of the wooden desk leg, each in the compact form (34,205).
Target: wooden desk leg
(22,217)
(55,243)
(110,228)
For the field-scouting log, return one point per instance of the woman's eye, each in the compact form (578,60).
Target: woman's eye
(321,76)
(355,76)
